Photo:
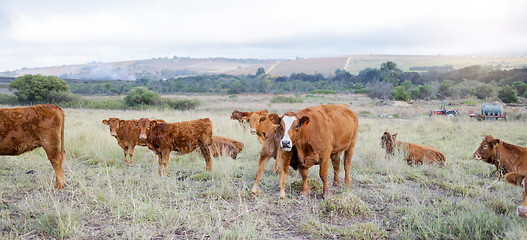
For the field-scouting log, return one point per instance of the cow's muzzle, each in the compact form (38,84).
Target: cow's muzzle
(142,136)
(113,134)
(253,130)
(477,156)
(286,145)
(522,211)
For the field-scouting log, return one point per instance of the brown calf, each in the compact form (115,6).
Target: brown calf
(182,137)
(506,157)
(127,134)
(414,153)
(260,125)
(238,115)
(223,145)
(26,128)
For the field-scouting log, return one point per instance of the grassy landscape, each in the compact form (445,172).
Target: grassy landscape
(105,198)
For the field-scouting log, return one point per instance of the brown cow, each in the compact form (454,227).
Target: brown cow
(414,153)
(127,134)
(223,145)
(260,125)
(318,133)
(26,128)
(182,137)
(238,115)
(505,156)
(518,179)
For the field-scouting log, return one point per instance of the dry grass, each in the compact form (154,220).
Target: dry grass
(105,198)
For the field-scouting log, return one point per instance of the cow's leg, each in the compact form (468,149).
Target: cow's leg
(55,157)
(160,160)
(262,161)
(348,154)
(205,151)
(324,167)
(125,150)
(304,172)
(131,154)
(284,170)
(166,158)
(335,159)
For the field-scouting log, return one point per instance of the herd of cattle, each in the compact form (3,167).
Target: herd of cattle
(311,136)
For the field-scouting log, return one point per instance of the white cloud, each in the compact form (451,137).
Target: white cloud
(45,33)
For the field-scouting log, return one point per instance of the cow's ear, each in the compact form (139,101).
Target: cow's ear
(394,136)
(274,118)
(153,123)
(263,118)
(304,121)
(496,142)
(105,122)
(514,179)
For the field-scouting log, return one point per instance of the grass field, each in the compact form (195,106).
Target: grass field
(105,198)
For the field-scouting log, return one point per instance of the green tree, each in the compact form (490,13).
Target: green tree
(445,89)
(507,94)
(407,85)
(141,95)
(390,73)
(483,91)
(425,92)
(520,87)
(37,88)
(400,94)
(236,88)
(260,71)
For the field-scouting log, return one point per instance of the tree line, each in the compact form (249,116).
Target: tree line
(385,82)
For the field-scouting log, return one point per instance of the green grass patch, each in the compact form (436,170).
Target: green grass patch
(285,99)
(345,204)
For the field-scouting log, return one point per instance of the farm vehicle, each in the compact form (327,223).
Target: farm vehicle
(492,111)
(444,112)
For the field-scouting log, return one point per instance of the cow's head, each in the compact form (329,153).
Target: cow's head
(144,125)
(255,120)
(114,124)
(388,141)
(236,115)
(488,149)
(519,180)
(290,126)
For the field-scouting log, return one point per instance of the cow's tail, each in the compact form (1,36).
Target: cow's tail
(62,151)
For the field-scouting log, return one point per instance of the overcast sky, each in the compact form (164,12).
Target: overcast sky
(50,33)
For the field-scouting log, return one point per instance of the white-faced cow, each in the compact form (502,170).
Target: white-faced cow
(319,134)
(26,128)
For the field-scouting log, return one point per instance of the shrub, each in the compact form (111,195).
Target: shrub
(8,99)
(183,104)
(507,94)
(323,91)
(141,95)
(37,88)
(400,94)
(284,99)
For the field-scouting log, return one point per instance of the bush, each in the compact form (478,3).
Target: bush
(8,99)
(141,95)
(323,91)
(37,88)
(183,104)
(400,94)
(284,99)
(507,94)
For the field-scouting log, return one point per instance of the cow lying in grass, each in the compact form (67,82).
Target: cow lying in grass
(223,145)
(413,153)
(182,137)
(518,179)
(506,157)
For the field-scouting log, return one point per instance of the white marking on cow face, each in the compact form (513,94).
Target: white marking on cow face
(286,142)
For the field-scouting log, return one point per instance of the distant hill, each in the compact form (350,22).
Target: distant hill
(160,68)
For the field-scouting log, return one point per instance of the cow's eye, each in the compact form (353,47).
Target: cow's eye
(485,146)
(297,126)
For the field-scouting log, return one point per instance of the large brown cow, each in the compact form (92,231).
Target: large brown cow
(519,179)
(127,134)
(413,153)
(318,133)
(26,128)
(182,137)
(238,115)
(260,125)
(505,156)
(223,145)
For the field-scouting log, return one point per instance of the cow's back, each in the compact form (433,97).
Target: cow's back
(335,125)
(27,128)
(183,137)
